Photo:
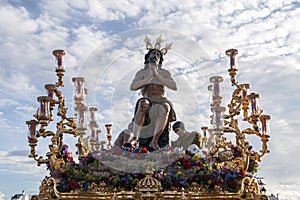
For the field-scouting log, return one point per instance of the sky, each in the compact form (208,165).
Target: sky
(104,44)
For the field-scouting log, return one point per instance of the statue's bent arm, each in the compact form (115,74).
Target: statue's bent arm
(165,78)
(141,80)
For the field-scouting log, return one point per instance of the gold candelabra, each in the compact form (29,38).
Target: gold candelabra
(76,126)
(43,117)
(247,104)
(243,105)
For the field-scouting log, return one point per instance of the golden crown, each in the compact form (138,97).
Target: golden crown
(157,45)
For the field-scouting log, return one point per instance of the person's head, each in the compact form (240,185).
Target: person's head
(178,128)
(154,56)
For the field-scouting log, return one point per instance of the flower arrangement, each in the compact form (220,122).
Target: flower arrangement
(173,167)
(191,168)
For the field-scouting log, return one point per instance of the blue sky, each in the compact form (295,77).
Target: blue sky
(104,43)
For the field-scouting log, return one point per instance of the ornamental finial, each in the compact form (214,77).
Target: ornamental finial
(157,45)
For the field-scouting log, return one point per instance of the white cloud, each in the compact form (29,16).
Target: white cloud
(21,87)
(15,17)
(111,10)
(56,8)
(17,163)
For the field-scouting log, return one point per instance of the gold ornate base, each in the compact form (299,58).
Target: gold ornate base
(145,196)
(148,188)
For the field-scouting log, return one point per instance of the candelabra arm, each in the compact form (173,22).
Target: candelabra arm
(71,124)
(32,144)
(239,102)
(41,160)
(228,130)
(265,140)
(71,131)
(45,134)
(232,74)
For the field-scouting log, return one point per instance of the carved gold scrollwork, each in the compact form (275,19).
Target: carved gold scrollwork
(101,187)
(148,188)
(263,197)
(196,188)
(250,188)
(48,189)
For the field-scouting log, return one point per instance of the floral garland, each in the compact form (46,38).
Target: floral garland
(182,170)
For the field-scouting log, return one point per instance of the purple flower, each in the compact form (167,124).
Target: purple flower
(86,186)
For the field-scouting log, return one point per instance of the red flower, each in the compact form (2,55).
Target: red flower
(144,150)
(200,165)
(186,164)
(243,173)
(73,185)
(206,178)
(108,180)
(216,181)
(176,183)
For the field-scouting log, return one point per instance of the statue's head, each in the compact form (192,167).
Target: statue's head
(156,53)
(178,124)
(154,56)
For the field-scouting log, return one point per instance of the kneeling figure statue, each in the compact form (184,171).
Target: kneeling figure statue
(153,112)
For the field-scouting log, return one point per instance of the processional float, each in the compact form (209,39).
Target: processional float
(222,170)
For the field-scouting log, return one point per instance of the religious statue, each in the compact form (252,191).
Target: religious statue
(186,138)
(153,112)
